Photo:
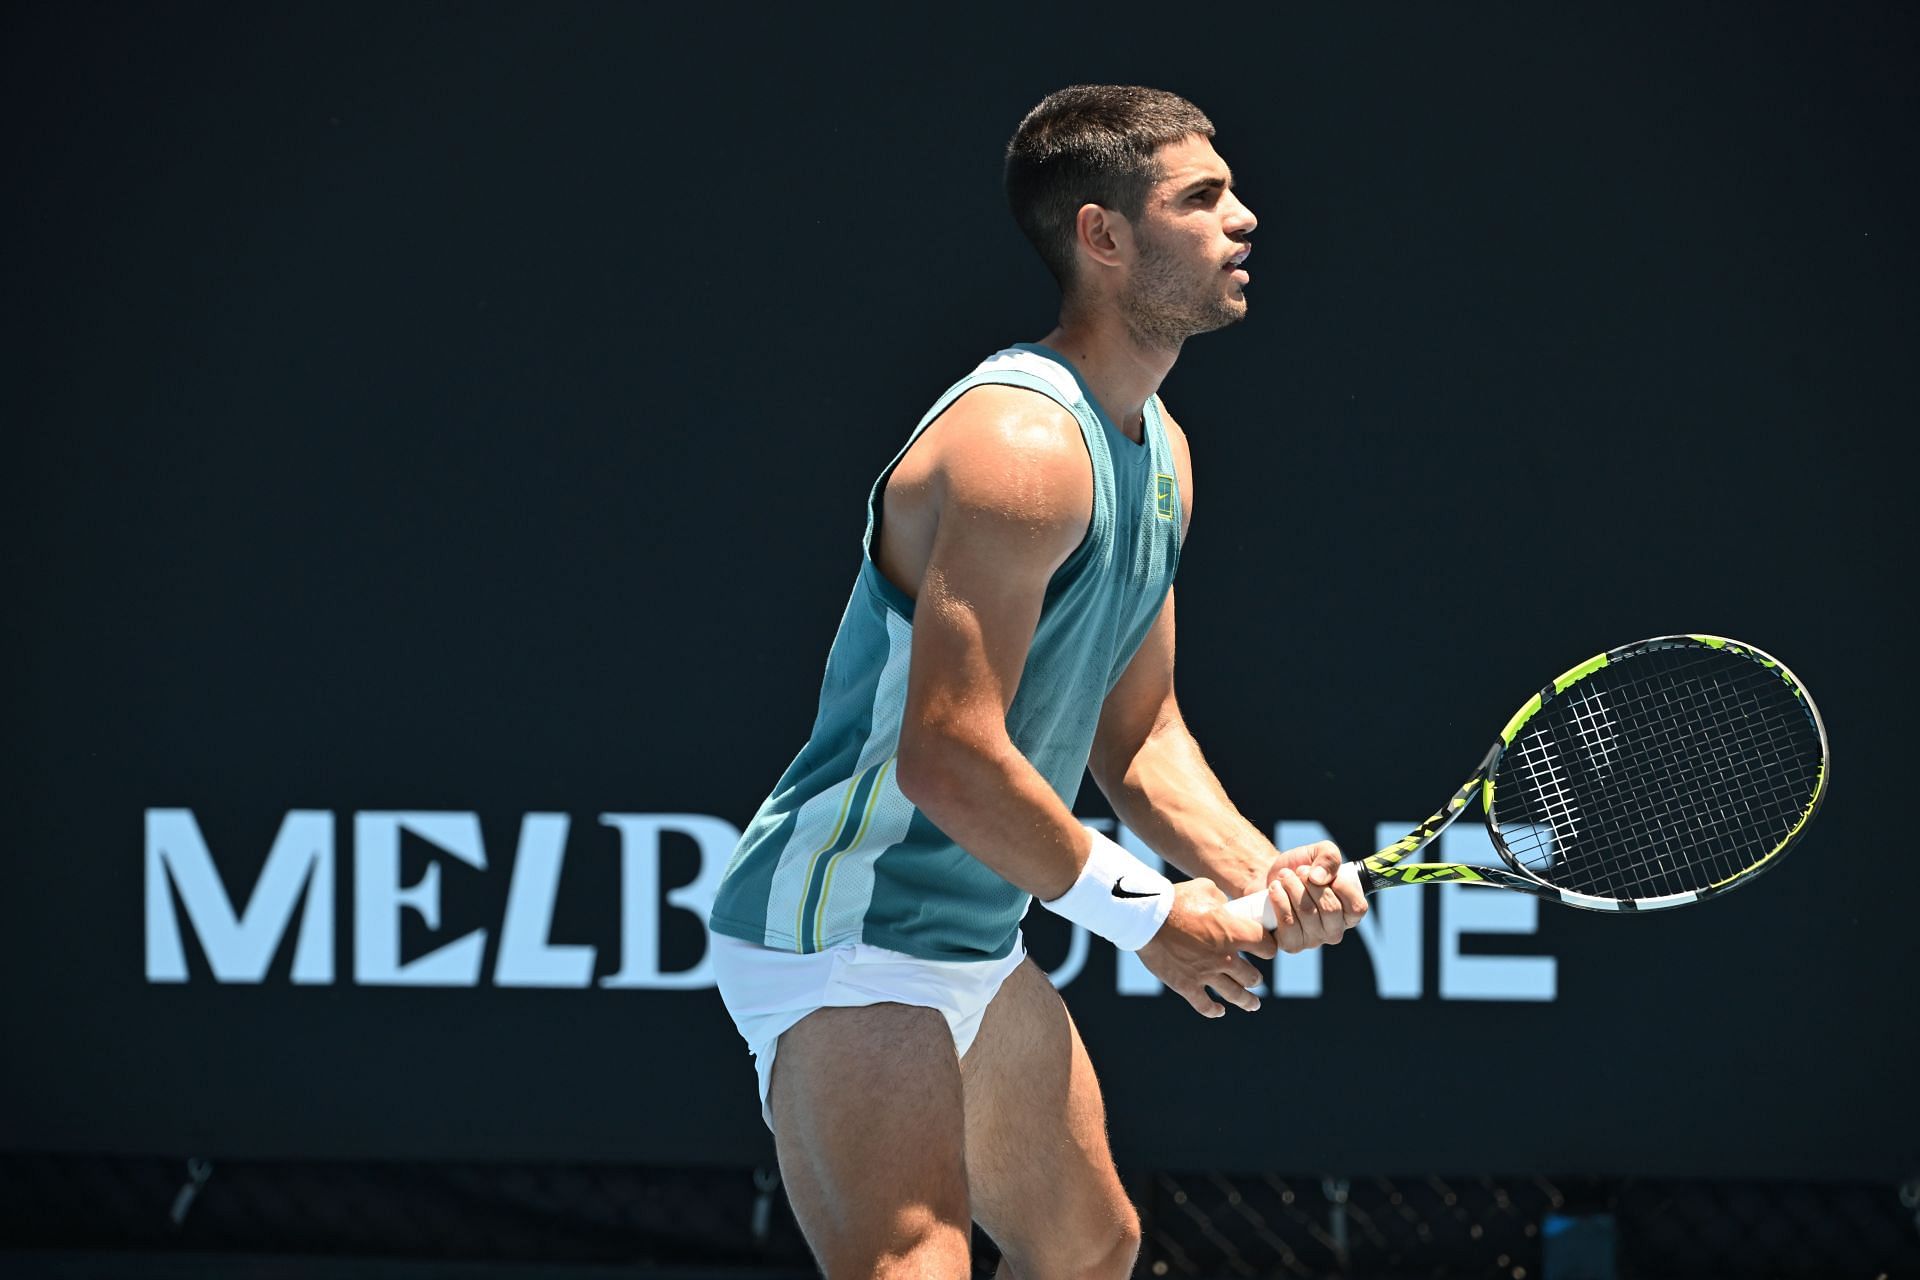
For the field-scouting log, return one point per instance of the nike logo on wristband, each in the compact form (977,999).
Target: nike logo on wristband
(1119,892)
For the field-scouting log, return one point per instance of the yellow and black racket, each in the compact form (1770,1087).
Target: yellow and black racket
(1654,775)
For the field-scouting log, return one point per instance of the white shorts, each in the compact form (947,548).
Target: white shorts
(768,991)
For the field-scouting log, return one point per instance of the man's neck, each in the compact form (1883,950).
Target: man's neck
(1122,373)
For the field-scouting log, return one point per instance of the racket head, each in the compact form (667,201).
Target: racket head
(1657,774)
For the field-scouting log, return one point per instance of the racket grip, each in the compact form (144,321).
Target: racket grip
(1258,906)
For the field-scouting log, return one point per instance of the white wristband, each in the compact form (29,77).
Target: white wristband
(1117,896)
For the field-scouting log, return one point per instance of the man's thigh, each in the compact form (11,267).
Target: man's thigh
(869,1124)
(1039,1170)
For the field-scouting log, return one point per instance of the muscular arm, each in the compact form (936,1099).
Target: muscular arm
(983,510)
(1151,770)
(999,492)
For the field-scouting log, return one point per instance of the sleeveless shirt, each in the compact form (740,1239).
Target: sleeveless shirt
(837,852)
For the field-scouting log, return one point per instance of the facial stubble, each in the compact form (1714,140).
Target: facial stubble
(1164,304)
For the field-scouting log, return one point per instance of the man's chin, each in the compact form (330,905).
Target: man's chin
(1171,330)
(1232,311)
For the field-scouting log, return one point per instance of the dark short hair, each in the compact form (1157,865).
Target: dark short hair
(1090,144)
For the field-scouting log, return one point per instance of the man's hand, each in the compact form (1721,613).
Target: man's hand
(1312,906)
(1198,947)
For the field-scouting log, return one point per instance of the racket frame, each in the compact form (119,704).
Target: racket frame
(1389,866)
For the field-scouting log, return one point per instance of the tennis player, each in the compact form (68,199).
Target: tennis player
(1011,629)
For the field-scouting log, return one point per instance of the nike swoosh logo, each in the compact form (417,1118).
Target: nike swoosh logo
(1118,892)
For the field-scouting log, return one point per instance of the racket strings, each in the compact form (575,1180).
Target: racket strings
(1667,842)
(1668,823)
(1650,845)
(1665,774)
(1688,845)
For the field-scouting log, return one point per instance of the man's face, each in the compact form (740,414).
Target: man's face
(1190,240)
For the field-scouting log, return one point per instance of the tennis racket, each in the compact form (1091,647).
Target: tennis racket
(1652,776)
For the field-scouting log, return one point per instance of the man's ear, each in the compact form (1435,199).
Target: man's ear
(1103,234)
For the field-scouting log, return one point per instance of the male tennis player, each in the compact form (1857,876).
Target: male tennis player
(1012,627)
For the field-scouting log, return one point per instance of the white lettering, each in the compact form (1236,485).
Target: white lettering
(1297,976)
(640,893)
(239,945)
(1392,931)
(379,898)
(528,957)
(1466,909)
(239,948)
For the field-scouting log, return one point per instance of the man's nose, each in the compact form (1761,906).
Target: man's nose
(1240,219)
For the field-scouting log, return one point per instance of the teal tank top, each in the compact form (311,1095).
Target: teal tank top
(837,853)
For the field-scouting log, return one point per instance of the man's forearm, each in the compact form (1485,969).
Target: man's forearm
(1169,796)
(992,802)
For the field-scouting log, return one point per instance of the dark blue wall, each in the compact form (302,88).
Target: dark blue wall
(468,408)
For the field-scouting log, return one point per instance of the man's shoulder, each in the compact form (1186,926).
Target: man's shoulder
(1012,423)
(1003,453)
